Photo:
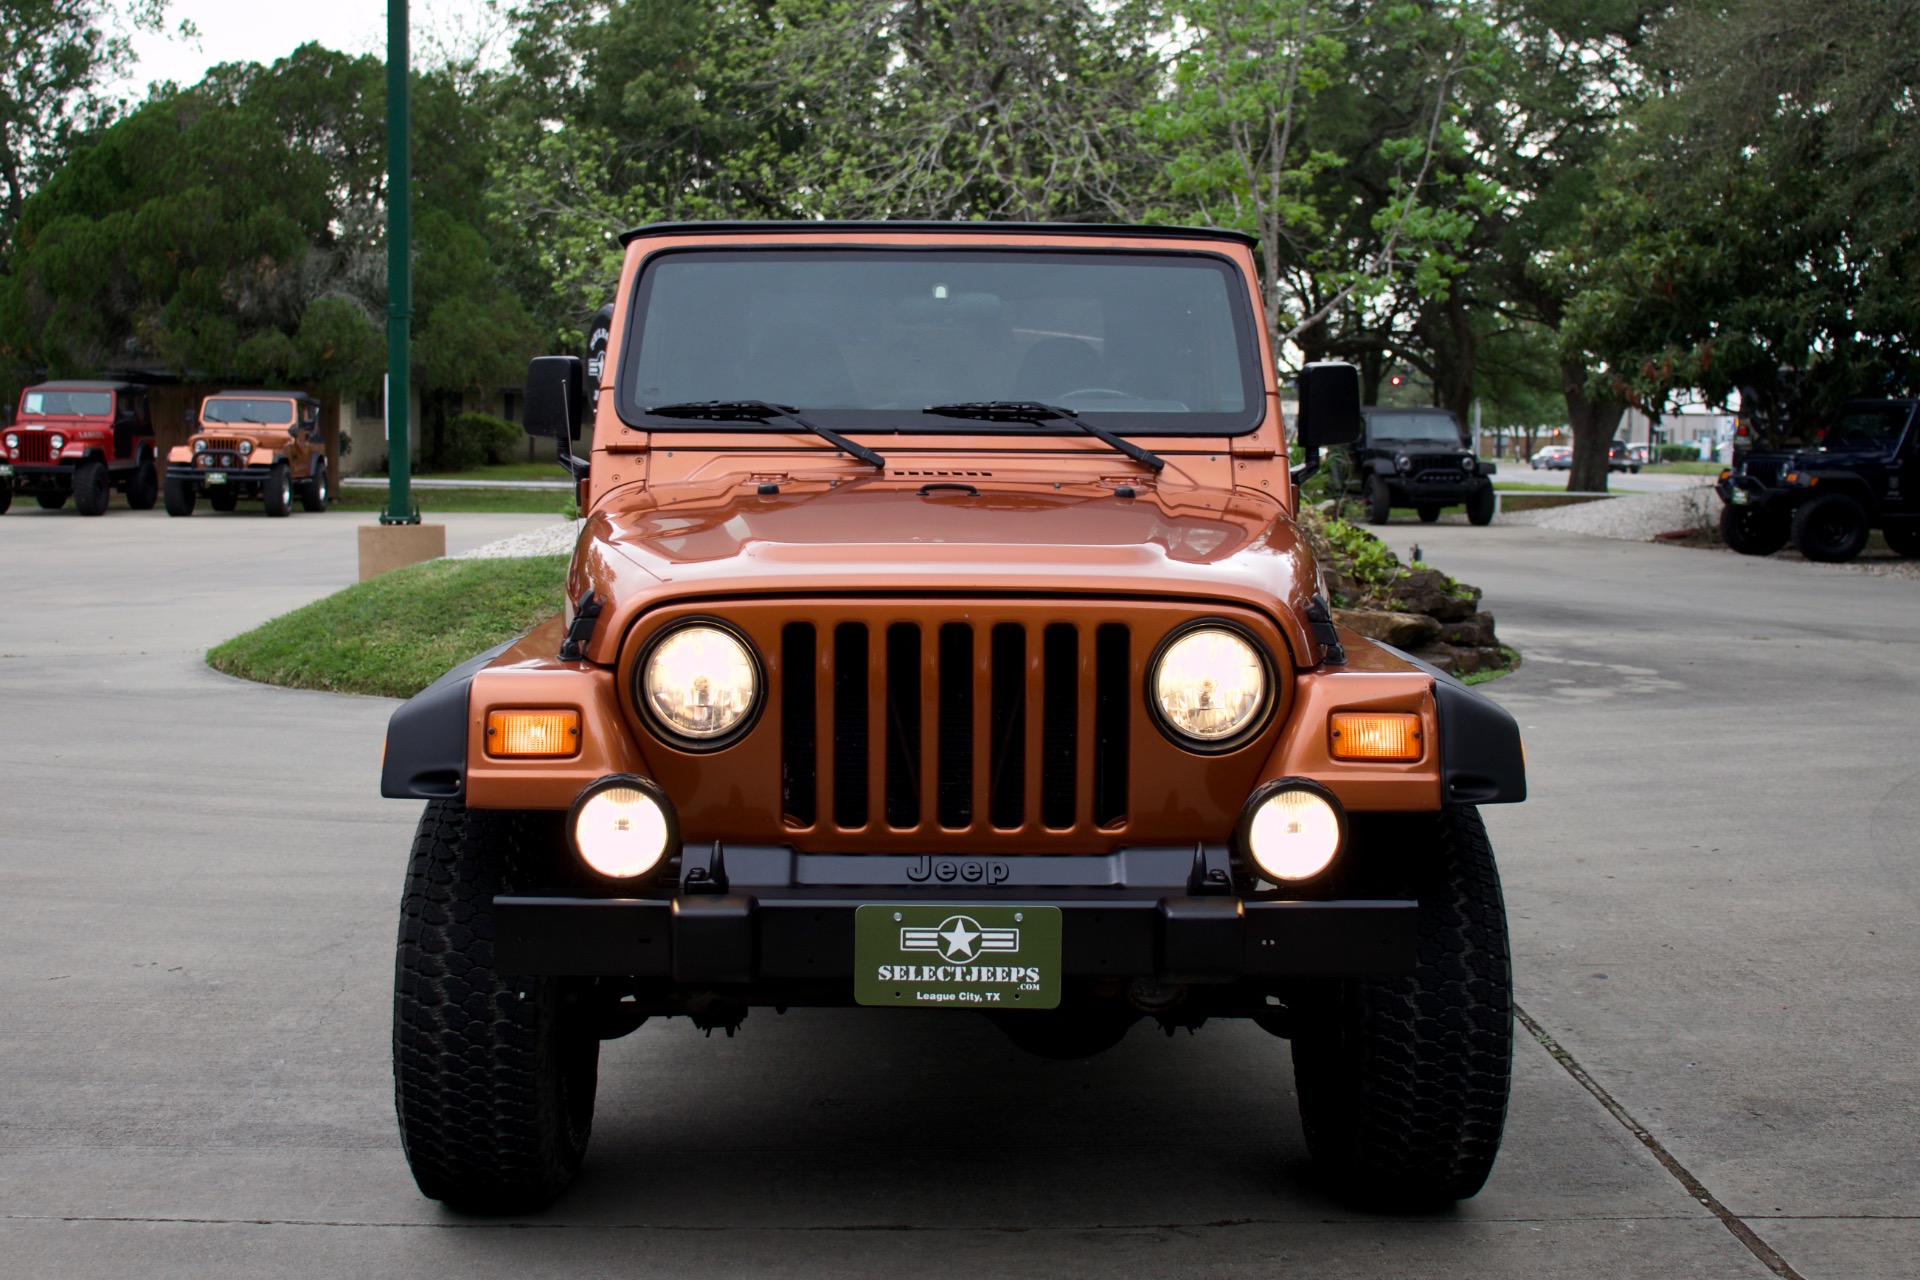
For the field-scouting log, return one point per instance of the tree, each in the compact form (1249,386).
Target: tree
(1754,237)
(56,57)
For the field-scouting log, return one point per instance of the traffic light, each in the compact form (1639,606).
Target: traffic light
(1397,380)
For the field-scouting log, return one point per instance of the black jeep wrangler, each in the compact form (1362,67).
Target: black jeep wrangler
(1862,473)
(1415,458)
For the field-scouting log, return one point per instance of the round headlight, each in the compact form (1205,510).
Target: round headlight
(1292,830)
(622,826)
(199,446)
(1210,687)
(1469,464)
(1403,463)
(246,448)
(56,441)
(13,441)
(700,685)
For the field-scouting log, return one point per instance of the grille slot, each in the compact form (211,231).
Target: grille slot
(957,726)
(34,448)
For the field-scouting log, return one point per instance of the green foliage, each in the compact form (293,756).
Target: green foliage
(475,440)
(1359,554)
(395,634)
(1678,453)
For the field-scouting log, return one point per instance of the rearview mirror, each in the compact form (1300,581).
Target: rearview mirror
(1329,406)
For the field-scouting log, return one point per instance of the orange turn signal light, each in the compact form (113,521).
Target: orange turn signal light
(533,733)
(1375,735)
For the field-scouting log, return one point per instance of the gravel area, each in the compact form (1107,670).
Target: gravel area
(549,540)
(1632,519)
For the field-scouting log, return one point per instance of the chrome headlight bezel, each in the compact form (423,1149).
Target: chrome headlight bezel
(56,442)
(246,448)
(673,735)
(13,440)
(199,447)
(1255,724)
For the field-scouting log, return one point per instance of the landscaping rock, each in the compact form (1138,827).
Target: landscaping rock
(1462,661)
(1431,592)
(1401,630)
(1476,632)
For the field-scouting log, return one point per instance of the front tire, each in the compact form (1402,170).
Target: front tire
(1428,512)
(6,495)
(1480,506)
(50,501)
(1403,1078)
(493,1076)
(179,496)
(1379,500)
(91,488)
(1752,531)
(278,490)
(1902,540)
(315,492)
(223,498)
(1831,528)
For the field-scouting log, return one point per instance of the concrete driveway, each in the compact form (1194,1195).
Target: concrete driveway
(1711,896)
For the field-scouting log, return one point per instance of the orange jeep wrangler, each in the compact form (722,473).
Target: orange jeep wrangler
(251,444)
(940,635)
(80,440)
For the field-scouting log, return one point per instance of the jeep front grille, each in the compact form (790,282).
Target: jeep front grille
(34,448)
(902,723)
(930,726)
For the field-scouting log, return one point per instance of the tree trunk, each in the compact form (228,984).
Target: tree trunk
(1593,423)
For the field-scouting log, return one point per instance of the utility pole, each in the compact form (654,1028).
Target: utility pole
(400,508)
(399,538)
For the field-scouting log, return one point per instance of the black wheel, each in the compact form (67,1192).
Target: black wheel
(1902,539)
(224,498)
(1831,528)
(278,490)
(314,493)
(493,1077)
(91,488)
(50,501)
(179,496)
(1403,1078)
(143,486)
(6,495)
(1379,500)
(1480,506)
(1752,531)
(1428,512)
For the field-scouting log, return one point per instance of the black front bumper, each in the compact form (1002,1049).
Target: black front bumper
(1442,493)
(1747,491)
(236,477)
(42,477)
(1126,915)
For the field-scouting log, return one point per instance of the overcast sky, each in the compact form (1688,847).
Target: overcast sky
(263,30)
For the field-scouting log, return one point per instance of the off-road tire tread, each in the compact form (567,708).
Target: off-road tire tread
(278,490)
(1481,506)
(313,495)
(92,489)
(1403,1079)
(1379,497)
(179,497)
(1806,533)
(478,1069)
(143,486)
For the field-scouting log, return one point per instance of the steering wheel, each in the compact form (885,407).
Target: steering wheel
(1098,391)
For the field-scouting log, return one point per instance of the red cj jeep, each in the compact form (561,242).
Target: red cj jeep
(81,440)
(940,635)
(251,444)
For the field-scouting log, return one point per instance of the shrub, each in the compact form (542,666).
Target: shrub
(1679,453)
(476,439)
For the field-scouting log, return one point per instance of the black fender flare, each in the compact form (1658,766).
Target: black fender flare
(426,757)
(1481,759)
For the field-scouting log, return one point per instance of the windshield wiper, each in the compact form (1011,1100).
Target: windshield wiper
(761,411)
(1034,411)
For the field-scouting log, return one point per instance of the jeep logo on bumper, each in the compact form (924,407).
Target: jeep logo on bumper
(946,871)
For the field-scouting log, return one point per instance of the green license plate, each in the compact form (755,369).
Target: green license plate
(216,477)
(958,957)
(1738,497)
(5,470)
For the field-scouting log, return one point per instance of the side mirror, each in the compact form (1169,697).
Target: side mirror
(1329,406)
(556,401)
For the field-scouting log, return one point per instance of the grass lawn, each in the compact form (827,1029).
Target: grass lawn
(396,634)
(1686,468)
(1528,486)
(531,501)
(503,471)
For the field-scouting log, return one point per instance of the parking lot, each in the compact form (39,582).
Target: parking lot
(1712,893)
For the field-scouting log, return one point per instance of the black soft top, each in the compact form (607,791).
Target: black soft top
(1091,230)
(268,395)
(85,385)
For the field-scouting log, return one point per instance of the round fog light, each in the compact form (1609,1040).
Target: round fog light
(622,826)
(1293,830)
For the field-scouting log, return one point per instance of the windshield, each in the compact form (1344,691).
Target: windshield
(1416,428)
(1879,424)
(868,339)
(265,413)
(75,404)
